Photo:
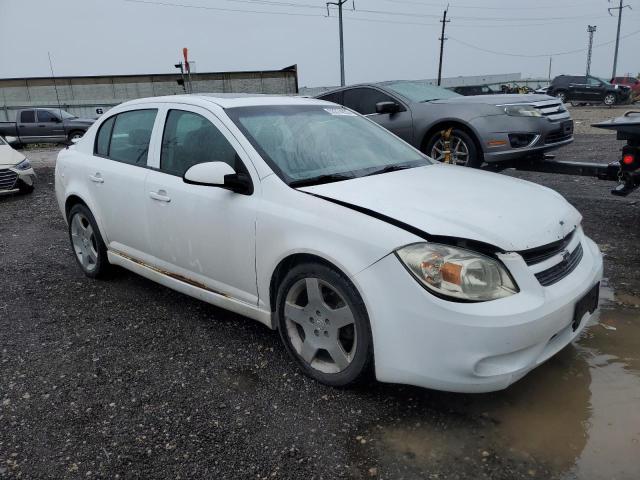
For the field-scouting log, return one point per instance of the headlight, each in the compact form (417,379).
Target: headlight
(457,273)
(23,165)
(522,111)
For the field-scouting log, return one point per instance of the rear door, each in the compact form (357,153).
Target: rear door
(116,173)
(27,126)
(364,99)
(50,126)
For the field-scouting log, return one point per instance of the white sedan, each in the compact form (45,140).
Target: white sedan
(16,173)
(364,254)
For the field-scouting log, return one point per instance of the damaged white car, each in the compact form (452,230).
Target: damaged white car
(16,173)
(365,254)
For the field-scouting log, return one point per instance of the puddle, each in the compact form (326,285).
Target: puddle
(577,416)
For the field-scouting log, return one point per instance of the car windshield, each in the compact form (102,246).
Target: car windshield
(421,91)
(604,81)
(313,144)
(66,114)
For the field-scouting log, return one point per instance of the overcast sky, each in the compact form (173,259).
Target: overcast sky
(384,39)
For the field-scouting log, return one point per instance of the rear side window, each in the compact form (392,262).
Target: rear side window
(28,116)
(190,139)
(130,137)
(335,97)
(104,137)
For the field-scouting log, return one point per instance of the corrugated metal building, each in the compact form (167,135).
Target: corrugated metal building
(88,96)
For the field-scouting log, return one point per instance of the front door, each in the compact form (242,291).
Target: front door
(51,126)
(364,99)
(203,235)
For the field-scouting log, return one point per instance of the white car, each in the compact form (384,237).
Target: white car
(16,173)
(365,254)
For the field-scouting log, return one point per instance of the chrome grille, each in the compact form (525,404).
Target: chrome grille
(540,254)
(559,271)
(554,110)
(7,179)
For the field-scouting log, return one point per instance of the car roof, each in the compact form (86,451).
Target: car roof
(229,100)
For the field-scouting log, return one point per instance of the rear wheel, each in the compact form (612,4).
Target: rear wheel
(324,324)
(610,99)
(462,147)
(86,242)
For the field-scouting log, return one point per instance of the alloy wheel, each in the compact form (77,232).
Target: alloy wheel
(459,150)
(76,136)
(562,97)
(609,99)
(320,325)
(84,242)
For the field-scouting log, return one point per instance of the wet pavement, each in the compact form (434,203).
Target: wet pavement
(127,379)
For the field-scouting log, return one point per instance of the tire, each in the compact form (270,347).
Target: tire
(609,99)
(561,95)
(459,141)
(74,135)
(86,242)
(324,325)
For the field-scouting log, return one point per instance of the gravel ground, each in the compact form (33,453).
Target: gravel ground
(126,379)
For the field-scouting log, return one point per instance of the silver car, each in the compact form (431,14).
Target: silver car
(484,128)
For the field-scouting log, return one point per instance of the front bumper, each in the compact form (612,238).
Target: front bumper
(548,135)
(11,178)
(422,340)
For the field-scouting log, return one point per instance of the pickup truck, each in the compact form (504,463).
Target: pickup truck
(43,125)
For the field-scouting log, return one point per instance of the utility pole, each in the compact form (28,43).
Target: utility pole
(591,29)
(615,56)
(442,38)
(339,4)
(550,60)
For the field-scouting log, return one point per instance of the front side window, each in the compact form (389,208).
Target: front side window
(306,142)
(45,116)
(190,139)
(594,82)
(364,100)
(28,116)
(130,136)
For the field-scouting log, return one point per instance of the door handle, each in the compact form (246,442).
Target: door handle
(97,178)
(160,196)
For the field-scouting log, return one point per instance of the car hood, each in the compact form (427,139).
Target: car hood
(446,200)
(499,99)
(9,157)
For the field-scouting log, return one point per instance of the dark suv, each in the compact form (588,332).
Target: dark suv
(587,89)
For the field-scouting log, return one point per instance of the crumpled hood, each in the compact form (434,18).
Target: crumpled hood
(498,99)
(9,157)
(461,202)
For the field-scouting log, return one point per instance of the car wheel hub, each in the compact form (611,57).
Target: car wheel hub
(458,148)
(84,242)
(320,325)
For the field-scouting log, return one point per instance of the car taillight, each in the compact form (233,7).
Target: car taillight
(630,158)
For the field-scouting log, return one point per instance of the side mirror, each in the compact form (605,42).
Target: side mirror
(387,107)
(219,174)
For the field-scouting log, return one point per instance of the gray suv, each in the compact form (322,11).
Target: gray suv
(486,128)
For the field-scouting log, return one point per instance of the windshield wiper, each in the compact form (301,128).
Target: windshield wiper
(320,179)
(387,169)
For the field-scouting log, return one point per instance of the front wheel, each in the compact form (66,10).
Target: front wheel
(75,135)
(86,242)
(609,99)
(324,325)
(562,96)
(462,147)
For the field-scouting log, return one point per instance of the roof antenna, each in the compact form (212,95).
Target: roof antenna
(55,86)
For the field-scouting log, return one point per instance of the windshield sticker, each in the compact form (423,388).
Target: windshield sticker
(340,111)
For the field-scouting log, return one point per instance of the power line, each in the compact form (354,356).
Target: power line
(557,54)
